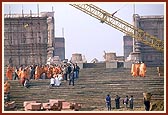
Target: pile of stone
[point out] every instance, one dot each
(52, 105)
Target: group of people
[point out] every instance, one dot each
(67, 71)
(138, 69)
(126, 101)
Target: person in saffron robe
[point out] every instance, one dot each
(6, 91)
(45, 70)
(9, 73)
(37, 72)
(49, 72)
(137, 65)
(22, 76)
(6, 87)
(19, 72)
(55, 70)
(133, 71)
(27, 73)
(142, 71)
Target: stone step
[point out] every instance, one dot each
(91, 89)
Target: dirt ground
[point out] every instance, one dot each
(157, 106)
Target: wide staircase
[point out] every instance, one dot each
(92, 87)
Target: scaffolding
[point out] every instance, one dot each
(23, 39)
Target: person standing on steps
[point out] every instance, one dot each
(131, 101)
(108, 102)
(126, 102)
(117, 102)
(76, 70)
(72, 77)
(146, 99)
(69, 68)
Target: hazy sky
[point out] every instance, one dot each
(85, 34)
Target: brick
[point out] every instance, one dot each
(27, 102)
(56, 104)
(36, 106)
(33, 106)
(27, 107)
(46, 106)
(53, 101)
(60, 102)
(66, 105)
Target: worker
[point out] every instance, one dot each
(142, 69)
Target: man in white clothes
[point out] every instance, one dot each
(57, 81)
(52, 82)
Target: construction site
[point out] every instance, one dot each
(29, 39)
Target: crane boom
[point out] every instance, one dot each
(121, 25)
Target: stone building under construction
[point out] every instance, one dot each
(153, 25)
(28, 38)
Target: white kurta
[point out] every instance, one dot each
(57, 82)
(52, 81)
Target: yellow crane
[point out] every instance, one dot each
(121, 25)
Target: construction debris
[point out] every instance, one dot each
(52, 105)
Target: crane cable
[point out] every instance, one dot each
(118, 10)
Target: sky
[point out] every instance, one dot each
(84, 34)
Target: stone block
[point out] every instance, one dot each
(46, 106)
(27, 107)
(33, 107)
(56, 104)
(60, 103)
(36, 106)
(25, 103)
(53, 101)
(66, 105)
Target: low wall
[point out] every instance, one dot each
(111, 64)
(127, 64)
